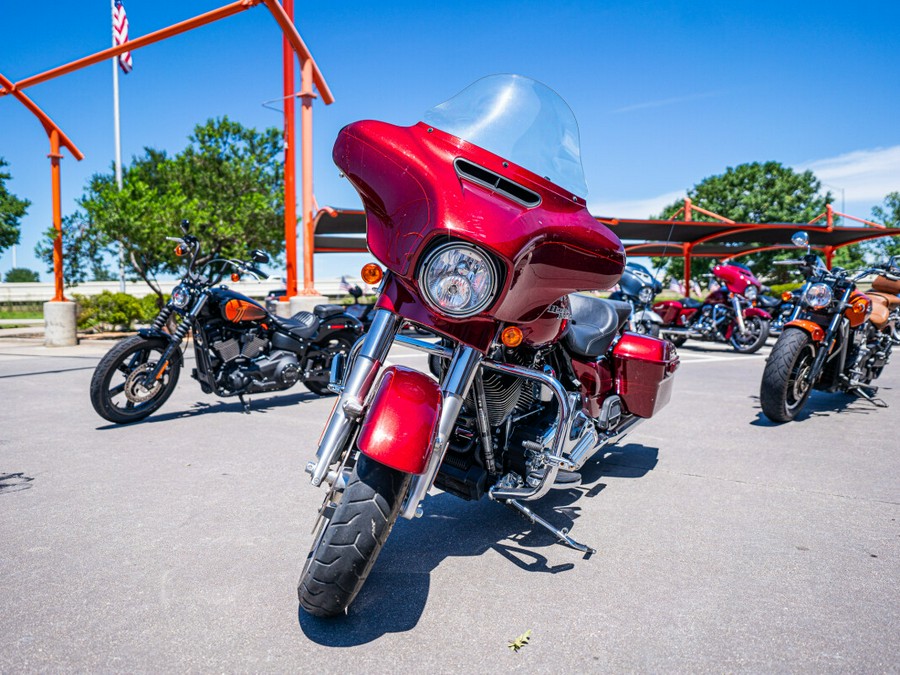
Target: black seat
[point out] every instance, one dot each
(768, 301)
(302, 325)
(690, 302)
(595, 322)
(326, 311)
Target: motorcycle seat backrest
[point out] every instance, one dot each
(880, 310)
(594, 324)
(889, 299)
(326, 311)
(884, 285)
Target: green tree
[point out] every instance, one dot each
(83, 251)
(888, 213)
(18, 275)
(228, 182)
(758, 192)
(12, 209)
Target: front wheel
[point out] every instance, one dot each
(785, 387)
(647, 328)
(118, 391)
(319, 367)
(350, 541)
(755, 337)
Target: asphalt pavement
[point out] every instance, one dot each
(725, 543)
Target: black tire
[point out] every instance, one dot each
(647, 328)
(783, 391)
(338, 343)
(115, 390)
(677, 340)
(756, 336)
(349, 543)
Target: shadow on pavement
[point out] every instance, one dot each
(396, 592)
(232, 406)
(820, 404)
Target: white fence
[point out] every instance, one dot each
(42, 292)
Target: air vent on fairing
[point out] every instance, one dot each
(496, 182)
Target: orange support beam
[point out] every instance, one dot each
(290, 162)
(306, 93)
(687, 260)
(57, 215)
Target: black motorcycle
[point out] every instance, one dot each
(780, 309)
(240, 348)
(638, 288)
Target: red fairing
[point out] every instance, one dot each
(643, 367)
(402, 420)
(413, 196)
(756, 311)
(736, 278)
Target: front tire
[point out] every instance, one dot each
(117, 392)
(755, 337)
(349, 543)
(784, 389)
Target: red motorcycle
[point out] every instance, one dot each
(478, 214)
(726, 315)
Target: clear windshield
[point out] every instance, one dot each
(520, 120)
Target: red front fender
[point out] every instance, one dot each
(756, 311)
(402, 419)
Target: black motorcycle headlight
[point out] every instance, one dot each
(181, 297)
(458, 279)
(646, 295)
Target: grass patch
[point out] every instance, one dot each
(21, 314)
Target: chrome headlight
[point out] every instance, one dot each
(751, 293)
(181, 297)
(458, 279)
(646, 295)
(818, 296)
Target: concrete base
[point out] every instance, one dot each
(283, 308)
(59, 324)
(305, 303)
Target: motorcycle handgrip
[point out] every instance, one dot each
(787, 262)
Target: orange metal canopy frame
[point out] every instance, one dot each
(344, 231)
(310, 74)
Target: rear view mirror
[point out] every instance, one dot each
(800, 239)
(185, 226)
(258, 256)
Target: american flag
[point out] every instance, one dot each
(120, 34)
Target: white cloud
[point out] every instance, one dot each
(635, 208)
(864, 175)
(665, 101)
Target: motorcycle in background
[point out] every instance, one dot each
(638, 288)
(478, 214)
(240, 348)
(837, 339)
(726, 315)
(779, 308)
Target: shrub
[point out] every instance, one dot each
(108, 311)
(777, 289)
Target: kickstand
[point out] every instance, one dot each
(245, 402)
(562, 535)
(862, 393)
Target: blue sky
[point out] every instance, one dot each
(666, 93)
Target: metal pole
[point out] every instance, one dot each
(290, 160)
(306, 94)
(57, 215)
(118, 141)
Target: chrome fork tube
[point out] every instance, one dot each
(455, 385)
(738, 313)
(374, 351)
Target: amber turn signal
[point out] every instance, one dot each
(235, 276)
(371, 274)
(179, 250)
(511, 336)
(787, 296)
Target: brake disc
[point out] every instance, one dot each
(135, 391)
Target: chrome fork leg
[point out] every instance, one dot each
(739, 314)
(454, 387)
(349, 407)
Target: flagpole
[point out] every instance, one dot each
(118, 139)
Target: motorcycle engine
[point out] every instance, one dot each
(244, 364)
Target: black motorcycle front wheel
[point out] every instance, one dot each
(320, 366)
(785, 388)
(755, 337)
(349, 542)
(118, 392)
